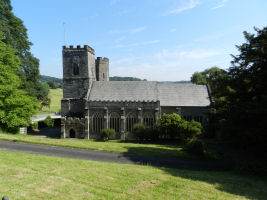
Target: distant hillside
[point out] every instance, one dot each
(45, 79)
(119, 78)
(57, 82)
(53, 82)
(175, 81)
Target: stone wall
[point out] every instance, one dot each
(123, 110)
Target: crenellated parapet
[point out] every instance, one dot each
(79, 48)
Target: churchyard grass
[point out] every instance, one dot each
(29, 176)
(55, 95)
(111, 146)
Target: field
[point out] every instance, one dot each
(27, 176)
(55, 95)
(112, 146)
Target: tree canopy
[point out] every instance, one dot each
(15, 34)
(16, 107)
(240, 94)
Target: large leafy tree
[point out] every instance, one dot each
(15, 34)
(214, 77)
(247, 93)
(16, 107)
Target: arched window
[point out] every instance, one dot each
(115, 121)
(75, 69)
(131, 119)
(198, 119)
(98, 122)
(148, 119)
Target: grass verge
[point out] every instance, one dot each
(27, 176)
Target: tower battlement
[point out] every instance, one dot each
(101, 59)
(79, 48)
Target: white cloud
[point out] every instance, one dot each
(194, 54)
(122, 61)
(185, 6)
(171, 71)
(120, 39)
(167, 65)
(220, 5)
(137, 44)
(173, 30)
(132, 31)
(113, 2)
(215, 36)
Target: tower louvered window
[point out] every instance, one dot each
(75, 69)
(114, 122)
(131, 119)
(98, 122)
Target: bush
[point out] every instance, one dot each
(139, 131)
(193, 129)
(48, 122)
(107, 134)
(173, 127)
(34, 126)
(170, 126)
(195, 147)
(142, 132)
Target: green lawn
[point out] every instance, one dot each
(28, 176)
(56, 96)
(112, 146)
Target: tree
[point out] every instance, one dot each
(214, 77)
(246, 100)
(16, 107)
(15, 34)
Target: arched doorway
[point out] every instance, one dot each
(72, 133)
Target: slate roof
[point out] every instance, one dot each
(168, 94)
(123, 91)
(183, 94)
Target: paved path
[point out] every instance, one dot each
(44, 116)
(114, 157)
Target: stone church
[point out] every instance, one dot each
(91, 102)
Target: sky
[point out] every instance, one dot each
(157, 40)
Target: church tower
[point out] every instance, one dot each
(102, 69)
(78, 74)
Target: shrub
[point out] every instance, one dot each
(170, 126)
(139, 131)
(107, 134)
(193, 129)
(34, 126)
(173, 127)
(195, 147)
(49, 122)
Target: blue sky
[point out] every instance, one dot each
(152, 39)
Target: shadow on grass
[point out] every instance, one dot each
(47, 132)
(229, 182)
(216, 172)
